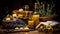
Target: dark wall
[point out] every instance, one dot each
(6, 6)
(16, 4)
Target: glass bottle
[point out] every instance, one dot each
(26, 11)
(31, 22)
(36, 15)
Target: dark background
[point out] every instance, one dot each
(9, 5)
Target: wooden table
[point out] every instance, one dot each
(30, 32)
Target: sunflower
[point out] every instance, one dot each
(49, 28)
(41, 28)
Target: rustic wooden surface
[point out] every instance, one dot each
(31, 32)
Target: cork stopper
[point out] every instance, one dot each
(36, 6)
